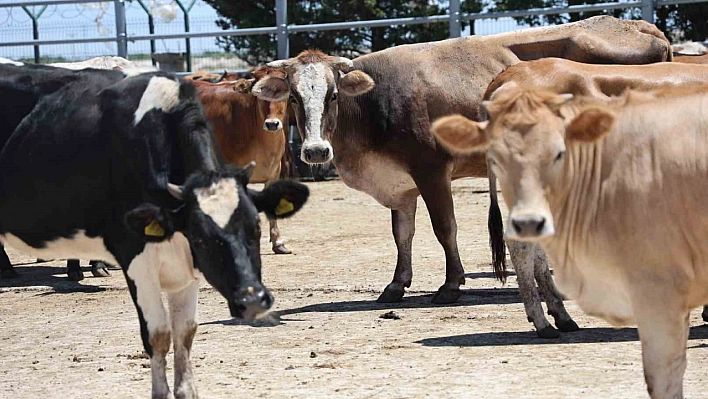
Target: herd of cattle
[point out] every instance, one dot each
(603, 168)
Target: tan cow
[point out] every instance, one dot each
(249, 130)
(599, 81)
(373, 114)
(615, 194)
(692, 59)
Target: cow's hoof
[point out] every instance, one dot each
(446, 295)
(75, 275)
(548, 333)
(99, 269)
(281, 250)
(567, 325)
(8, 273)
(391, 296)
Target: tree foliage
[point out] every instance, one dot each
(349, 43)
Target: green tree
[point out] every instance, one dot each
(349, 43)
(678, 22)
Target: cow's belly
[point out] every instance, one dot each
(386, 181)
(79, 246)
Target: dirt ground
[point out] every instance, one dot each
(81, 340)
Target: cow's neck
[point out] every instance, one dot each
(574, 201)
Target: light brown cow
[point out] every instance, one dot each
(692, 59)
(249, 130)
(379, 134)
(599, 81)
(615, 194)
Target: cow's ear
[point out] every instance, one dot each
(590, 125)
(281, 199)
(459, 134)
(152, 223)
(244, 85)
(355, 83)
(271, 89)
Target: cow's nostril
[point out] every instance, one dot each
(517, 226)
(539, 226)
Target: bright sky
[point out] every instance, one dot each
(98, 19)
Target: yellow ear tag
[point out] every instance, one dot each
(154, 229)
(284, 207)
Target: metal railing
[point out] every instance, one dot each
(282, 30)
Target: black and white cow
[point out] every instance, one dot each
(130, 174)
(21, 88)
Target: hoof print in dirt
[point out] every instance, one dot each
(548, 333)
(391, 315)
(567, 326)
(446, 296)
(390, 296)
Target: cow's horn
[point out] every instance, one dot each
(223, 75)
(343, 63)
(175, 190)
(249, 168)
(279, 64)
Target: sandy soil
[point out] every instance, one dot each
(81, 340)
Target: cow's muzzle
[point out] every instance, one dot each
(319, 152)
(251, 303)
(272, 125)
(529, 227)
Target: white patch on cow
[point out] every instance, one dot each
(219, 201)
(312, 87)
(386, 181)
(78, 246)
(11, 62)
(161, 93)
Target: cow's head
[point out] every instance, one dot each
(219, 218)
(313, 84)
(526, 139)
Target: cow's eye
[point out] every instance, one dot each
(560, 156)
(335, 95)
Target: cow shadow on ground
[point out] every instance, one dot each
(470, 297)
(32, 275)
(583, 336)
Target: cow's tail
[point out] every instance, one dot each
(496, 231)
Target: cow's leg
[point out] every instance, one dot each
(554, 299)
(705, 314)
(275, 238)
(143, 282)
(6, 269)
(183, 309)
(437, 194)
(522, 258)
(99, 269)
(663, 329)
(403, 226)
(73, 271)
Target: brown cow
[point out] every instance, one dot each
(598, 81)
(381, 139)
(248, 129)
(615, 194)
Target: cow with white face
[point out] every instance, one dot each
(314, 83)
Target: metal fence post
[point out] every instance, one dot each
(648, 10)
(455, 26)
(187, 42)
(281, 22)
(35, 28)
(151, 29)
(121, 31)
